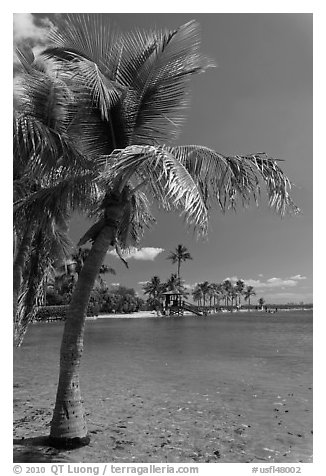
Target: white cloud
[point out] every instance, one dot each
(144, 254)
(25, 28)
(298, 277)
(271, 283)
(256, 283)
(189, 286)
(277, 282)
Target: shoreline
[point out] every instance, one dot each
(149, 314)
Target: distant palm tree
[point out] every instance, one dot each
(249, 291)
(180, 254)
(233, 295)
(211, 293)
(174, 283)
(154, 287)
(261, 302)
(204, 287)
(240, 286)
(197, 294)
(227, 289)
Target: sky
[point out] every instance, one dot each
(258, 99)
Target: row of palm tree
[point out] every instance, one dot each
(211, 294)
(91, 128)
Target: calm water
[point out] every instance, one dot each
(252, 361)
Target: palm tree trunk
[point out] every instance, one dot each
(68, 426)
(179, 263)
(19, 263)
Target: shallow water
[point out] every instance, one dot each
(241, 382)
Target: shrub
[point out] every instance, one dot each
(51, 312)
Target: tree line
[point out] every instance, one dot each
(62, 280)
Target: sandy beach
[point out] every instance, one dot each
(131, 315)
(226, 390)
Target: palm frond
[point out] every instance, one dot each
(136, 219)
(89, 35)
(26, 58)
(41, 126)
(161, 83)
(88, 79)
(164, 176)
(226, 180)
(73, 193)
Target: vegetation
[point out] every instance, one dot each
(178, 256)
(213, 294)
(155, 289)
(91, 125)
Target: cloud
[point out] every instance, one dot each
(271, 283)
(26, 27)
(29, 31)
(277, 282)
(143, 254)
(189, 286)
(233, 279)
(298, 277)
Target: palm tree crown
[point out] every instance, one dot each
(180, 254)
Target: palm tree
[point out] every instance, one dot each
(204, 287)
(127, 95)
(261, 302)
(180, 254)
(218, 292)
(211, 293)
(249, 291)
(233, 296)
(197, 295)
(174, 283)
(153, 288)
(240, 286)
(227, 289)
(43, 155)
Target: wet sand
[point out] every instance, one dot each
(229, 389)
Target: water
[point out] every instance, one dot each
(253, 365)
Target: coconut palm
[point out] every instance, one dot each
(197, 294)
(178, 256)
(153, 288)
(211, 293)
(248, 292)
(204, 287)
(174, 283)
(128, 94)
(43, 154)
(261, 302)
(240, 286)
(227, 290)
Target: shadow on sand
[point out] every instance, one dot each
(38, 450)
